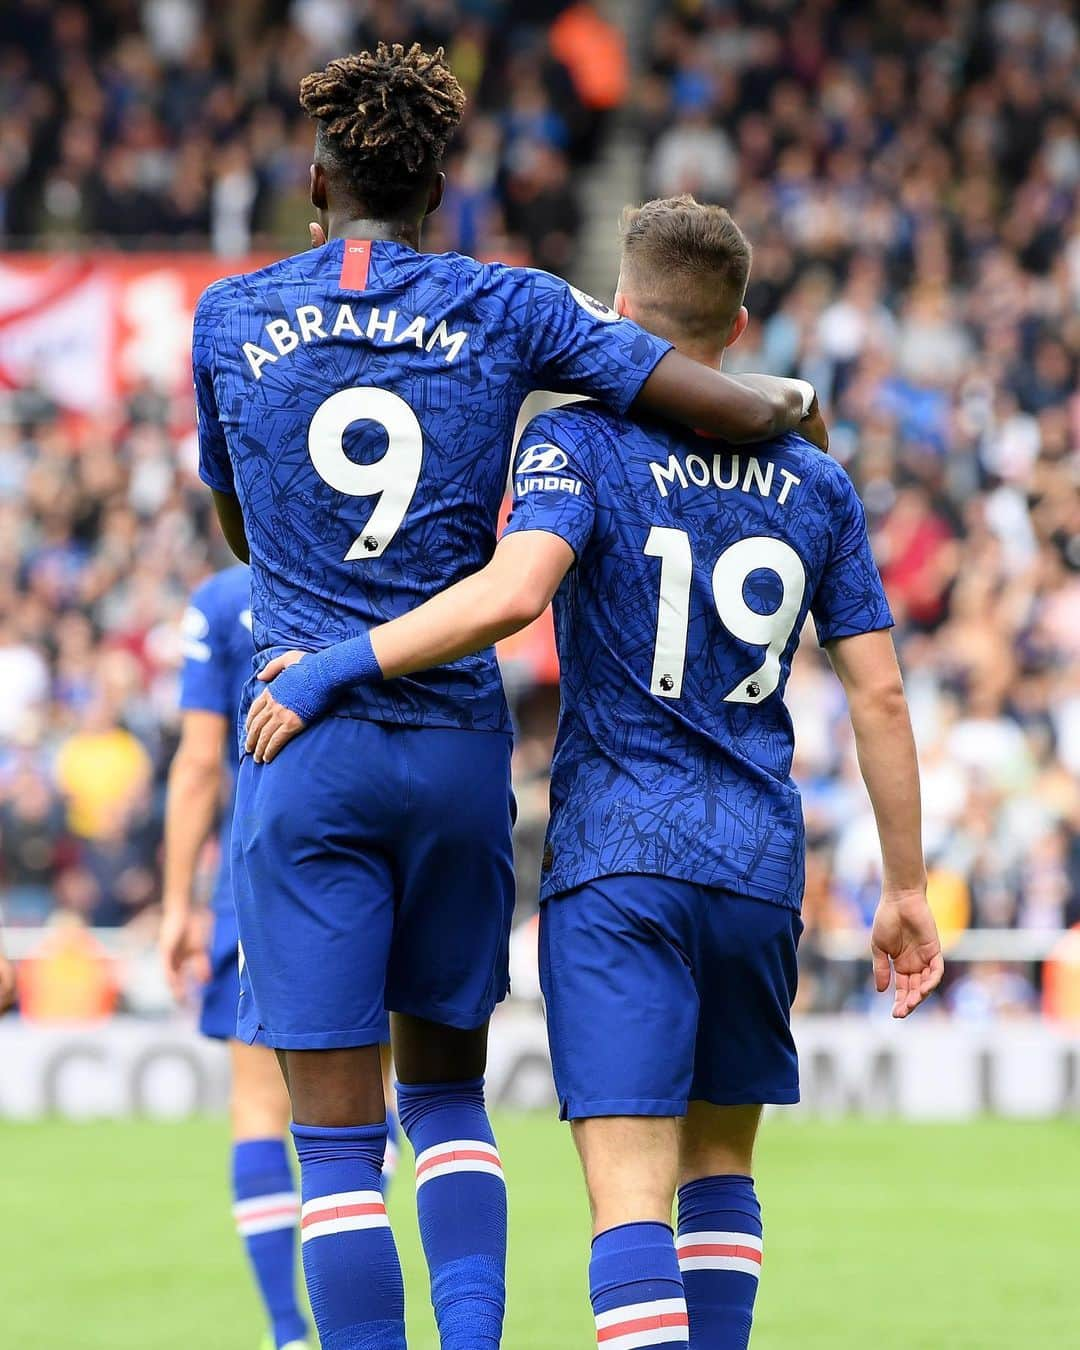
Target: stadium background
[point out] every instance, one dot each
(909, 174)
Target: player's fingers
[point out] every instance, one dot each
(317, 234)
(258, 705)
(900, 1008)
(266, 730)
(256, 721)
(174, 975)
(199, 966)
(881, 969)
(274, 668)
(933, 975)
(7, 984)
(278, 741)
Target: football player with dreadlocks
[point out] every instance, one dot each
(356, 412)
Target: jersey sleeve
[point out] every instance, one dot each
(579, 345)
(214, 467)
(850, 598)
(553, 479)
(205, 683)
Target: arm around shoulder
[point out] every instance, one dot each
(741, 409)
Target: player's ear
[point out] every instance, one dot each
(435, 196)
(318, 187)
(738, 328)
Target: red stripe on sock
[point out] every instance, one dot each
(275, 1212)
(340, 1212)
(355, 262)
(720, 1249)
(655, 1323)
(458, 1155)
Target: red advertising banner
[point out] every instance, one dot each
(87, 329)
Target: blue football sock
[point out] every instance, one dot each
(719, 1248)
(267, 1211)
(393, 1150)
(461, 1202)
(350, 1261)
(636, 1289)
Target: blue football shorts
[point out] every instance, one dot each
(661, 992)
(221, 992)
(373, 872)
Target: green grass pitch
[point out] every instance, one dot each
(878, 1235)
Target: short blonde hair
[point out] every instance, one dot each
(685, 265)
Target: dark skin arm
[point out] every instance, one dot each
(758, 406)
(739, 409)
(232, 523)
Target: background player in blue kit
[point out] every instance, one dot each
(356, 407)
(217, 664)
(673, 869)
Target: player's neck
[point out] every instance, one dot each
(703, 353)
(361, 227)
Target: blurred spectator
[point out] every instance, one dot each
(1061, 980)
(33, 844)
(68, 978)
(175, 122)
(24, 678)
(910, 178)
(103, 771)
(988, 990)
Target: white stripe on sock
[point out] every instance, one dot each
(656, 1307)
(340, 1198)
(634, 1340)
(716, 1239)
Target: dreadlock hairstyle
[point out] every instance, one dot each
(384, 120)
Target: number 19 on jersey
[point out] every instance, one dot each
(729, 576)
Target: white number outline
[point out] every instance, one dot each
(772, 631)
(393, 477)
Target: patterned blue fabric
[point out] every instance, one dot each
(697, 566)
(217, 649)
(350, 1260)
(261, 1173)
(367, 436)
(461, 1207)
(720, 1251)
(217, 646)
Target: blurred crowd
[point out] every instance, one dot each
(168, 123)
(909, 174)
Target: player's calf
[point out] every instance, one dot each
(719, 1238)
(265, 1204)
(350, 1260)
(461, 1204)
(630, 1166)
(460, 1192)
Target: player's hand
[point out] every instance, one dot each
(317, 234)
(182, 946)
(905, 943)
(270, 727)
(813, 428)
(7, 983)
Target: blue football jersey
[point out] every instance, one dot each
(360, 400)
(218, 650)
(697, 565)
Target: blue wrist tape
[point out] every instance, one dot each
(309, 687)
